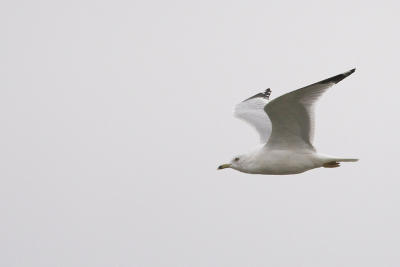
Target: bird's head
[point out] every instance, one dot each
(236, 163)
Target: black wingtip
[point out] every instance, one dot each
(267, 93)
(339, 77)
(264, 95)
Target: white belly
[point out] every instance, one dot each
(284, 162)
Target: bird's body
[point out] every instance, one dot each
(281, 162)
(286, 127)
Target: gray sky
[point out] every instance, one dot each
(115, 114)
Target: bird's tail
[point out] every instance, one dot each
(333, 162)
(346, 160)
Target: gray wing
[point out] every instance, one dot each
(292, 115)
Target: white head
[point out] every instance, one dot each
(238, 163)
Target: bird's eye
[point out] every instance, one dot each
(236, 159)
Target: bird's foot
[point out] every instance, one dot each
(331, 164)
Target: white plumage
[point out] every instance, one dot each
(286, 127)
(252, 111)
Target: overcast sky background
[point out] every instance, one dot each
(115, 114)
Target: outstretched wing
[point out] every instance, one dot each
(252, 111)
(292, 115)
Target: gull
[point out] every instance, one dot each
(286, 129)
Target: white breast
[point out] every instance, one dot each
(267, 161)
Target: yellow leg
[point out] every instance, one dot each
(331, 164)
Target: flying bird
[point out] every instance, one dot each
(286, 128)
